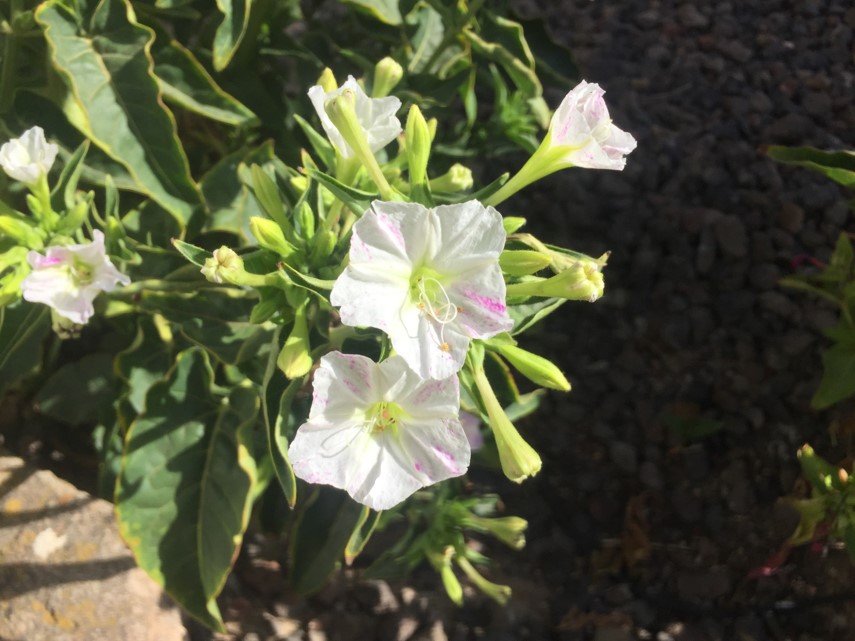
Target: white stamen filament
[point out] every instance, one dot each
(444, 313)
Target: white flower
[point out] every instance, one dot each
(68, 278)
(29, 157)
(582, 125)
(429, 278)
(379, 431)
(375, 115)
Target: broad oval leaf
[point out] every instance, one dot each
(103, 56)
(231, 31)
(837, 165)
(183, 495)
(384, 10)
(325, 525)
(184, 81)
(838, 376)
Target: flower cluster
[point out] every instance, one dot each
(430, 278)
(67, 276)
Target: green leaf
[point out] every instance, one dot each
(62, 196)
(229, 200)
(318, 142)
(182, 499)
(23, 328)
(323, 529)
(838, 376)
(427, 39)
(184, 81)
(278, 394)
(267, 194)
(145, 361)
(75, 393)
(231, 31)
(384, 10)
(361, 534)
(502, 41)
(837, 165)
(114, 99)
(356, 199)
(529, 314)
(552, 61)
(195, 255)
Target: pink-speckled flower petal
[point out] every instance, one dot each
(340, 446)
(583, 127)
(343, 384)
(469, 234)
(54, 280)
(480, 300)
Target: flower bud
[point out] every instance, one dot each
(323, 245)
(499, 593)
(327, 80)
(512, 224)
(442, 564)
(294, 359)
(75, 217)
(29, 158)
(270, 236)
(580, 282)
(457, 178)
(225, 266)
(510, 530)
(387, 74)
(306, 219)
(418, 145)
(535, 368)
(519, 459)
(523, 262)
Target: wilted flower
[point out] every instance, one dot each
(379, 431)
(581, 134)
(224, 266)
(429, 278)
(376, 116)
(68, 278)
(582, 129)
(29, 157)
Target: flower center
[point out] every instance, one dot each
(382, 416)
(602, 130)
(432, 298)
(81, 272)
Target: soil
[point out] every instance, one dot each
(641, 527)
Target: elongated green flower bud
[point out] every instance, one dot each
(535, 368)
(510, 530)
(519, 459)
(387, 74)
(294, 359)
(327, 80)
(580, 282)
(270, 236)
(523, 262)
(341, 110)
(499, 593)
(418, 145)
(457, 178)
